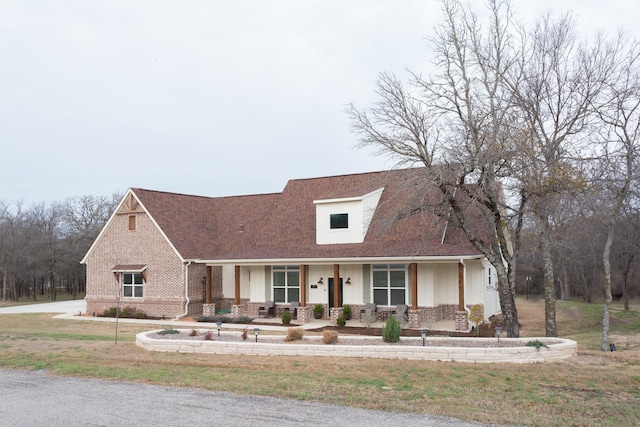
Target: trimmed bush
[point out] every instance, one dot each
(286, 317)
(330, 337)
(294, 334)
(391, 330)
(341, 321)
(127, 312)
(346, 311)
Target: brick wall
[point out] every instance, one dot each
(164, 290)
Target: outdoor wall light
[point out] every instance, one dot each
(219, 323)
(423, 334)
(498, 332)
(348, 282)
(256, 331)
(320, 281)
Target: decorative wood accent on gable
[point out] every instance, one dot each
(130, 205)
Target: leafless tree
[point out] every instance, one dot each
(616, 165)
(458, 124)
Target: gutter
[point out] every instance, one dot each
(186, 291)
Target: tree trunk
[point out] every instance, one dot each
(4, 286)
(604, 341)
(548, 279)
(506, 292)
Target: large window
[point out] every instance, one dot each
(340, 220)
(286, 283)
(132, 285)
(389, 284)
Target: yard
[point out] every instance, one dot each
(594, 388)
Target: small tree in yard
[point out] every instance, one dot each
(477, 316)
(391, 330)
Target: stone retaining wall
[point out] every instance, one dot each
(558, 349)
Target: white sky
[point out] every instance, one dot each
(206, 97)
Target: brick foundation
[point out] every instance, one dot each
(208, 310)
(462, 321)
(305, 314)
(336, 312)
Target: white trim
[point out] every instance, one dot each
(353, 260)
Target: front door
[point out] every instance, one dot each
(331, 292)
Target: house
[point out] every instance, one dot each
(350, 239)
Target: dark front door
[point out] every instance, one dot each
(331, 292)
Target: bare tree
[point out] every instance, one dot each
(458, 124)
(558, 87)
(617, 164)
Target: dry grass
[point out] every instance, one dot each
(595, 388)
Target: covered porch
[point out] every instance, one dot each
(437, 293)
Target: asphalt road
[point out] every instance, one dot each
(29, 398)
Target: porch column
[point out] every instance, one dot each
(303, 285)
(236, 300)
(460, 286)
(208, 286)
(414, 286)
(336, 310)
(208, 309)
(413, 313)
(236, 310)
(462, 320)
(336, 285)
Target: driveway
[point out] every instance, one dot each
(32, 398)
(71, 307)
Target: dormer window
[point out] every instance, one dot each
(338, 221)
(345, 219)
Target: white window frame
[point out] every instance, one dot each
(289, 272)
(389, 269)
(134, 284)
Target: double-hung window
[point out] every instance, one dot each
(389, 284)
(286, 283)
(132, 285)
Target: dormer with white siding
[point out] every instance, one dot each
(345, 220)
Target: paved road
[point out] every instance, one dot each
(31, 398)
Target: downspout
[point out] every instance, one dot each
(186, 291)
(467, 309)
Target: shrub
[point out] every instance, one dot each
(193, 333)
(286, 317)
(318, 309)
(294, 334)
(537, 344)
(169, 331)
(477, 316)
(208, 336)
(330, 337)
(341, 321)
(391, 330)
(245, 334)
(346, 311)
(125, 313)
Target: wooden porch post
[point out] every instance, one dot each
(208, 286)
(303, 285)
(336, 285)
(236, 301)
(414, 286)
(460, 286)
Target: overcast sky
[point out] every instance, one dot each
(208, 97)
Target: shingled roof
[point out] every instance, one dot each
(283, 225)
